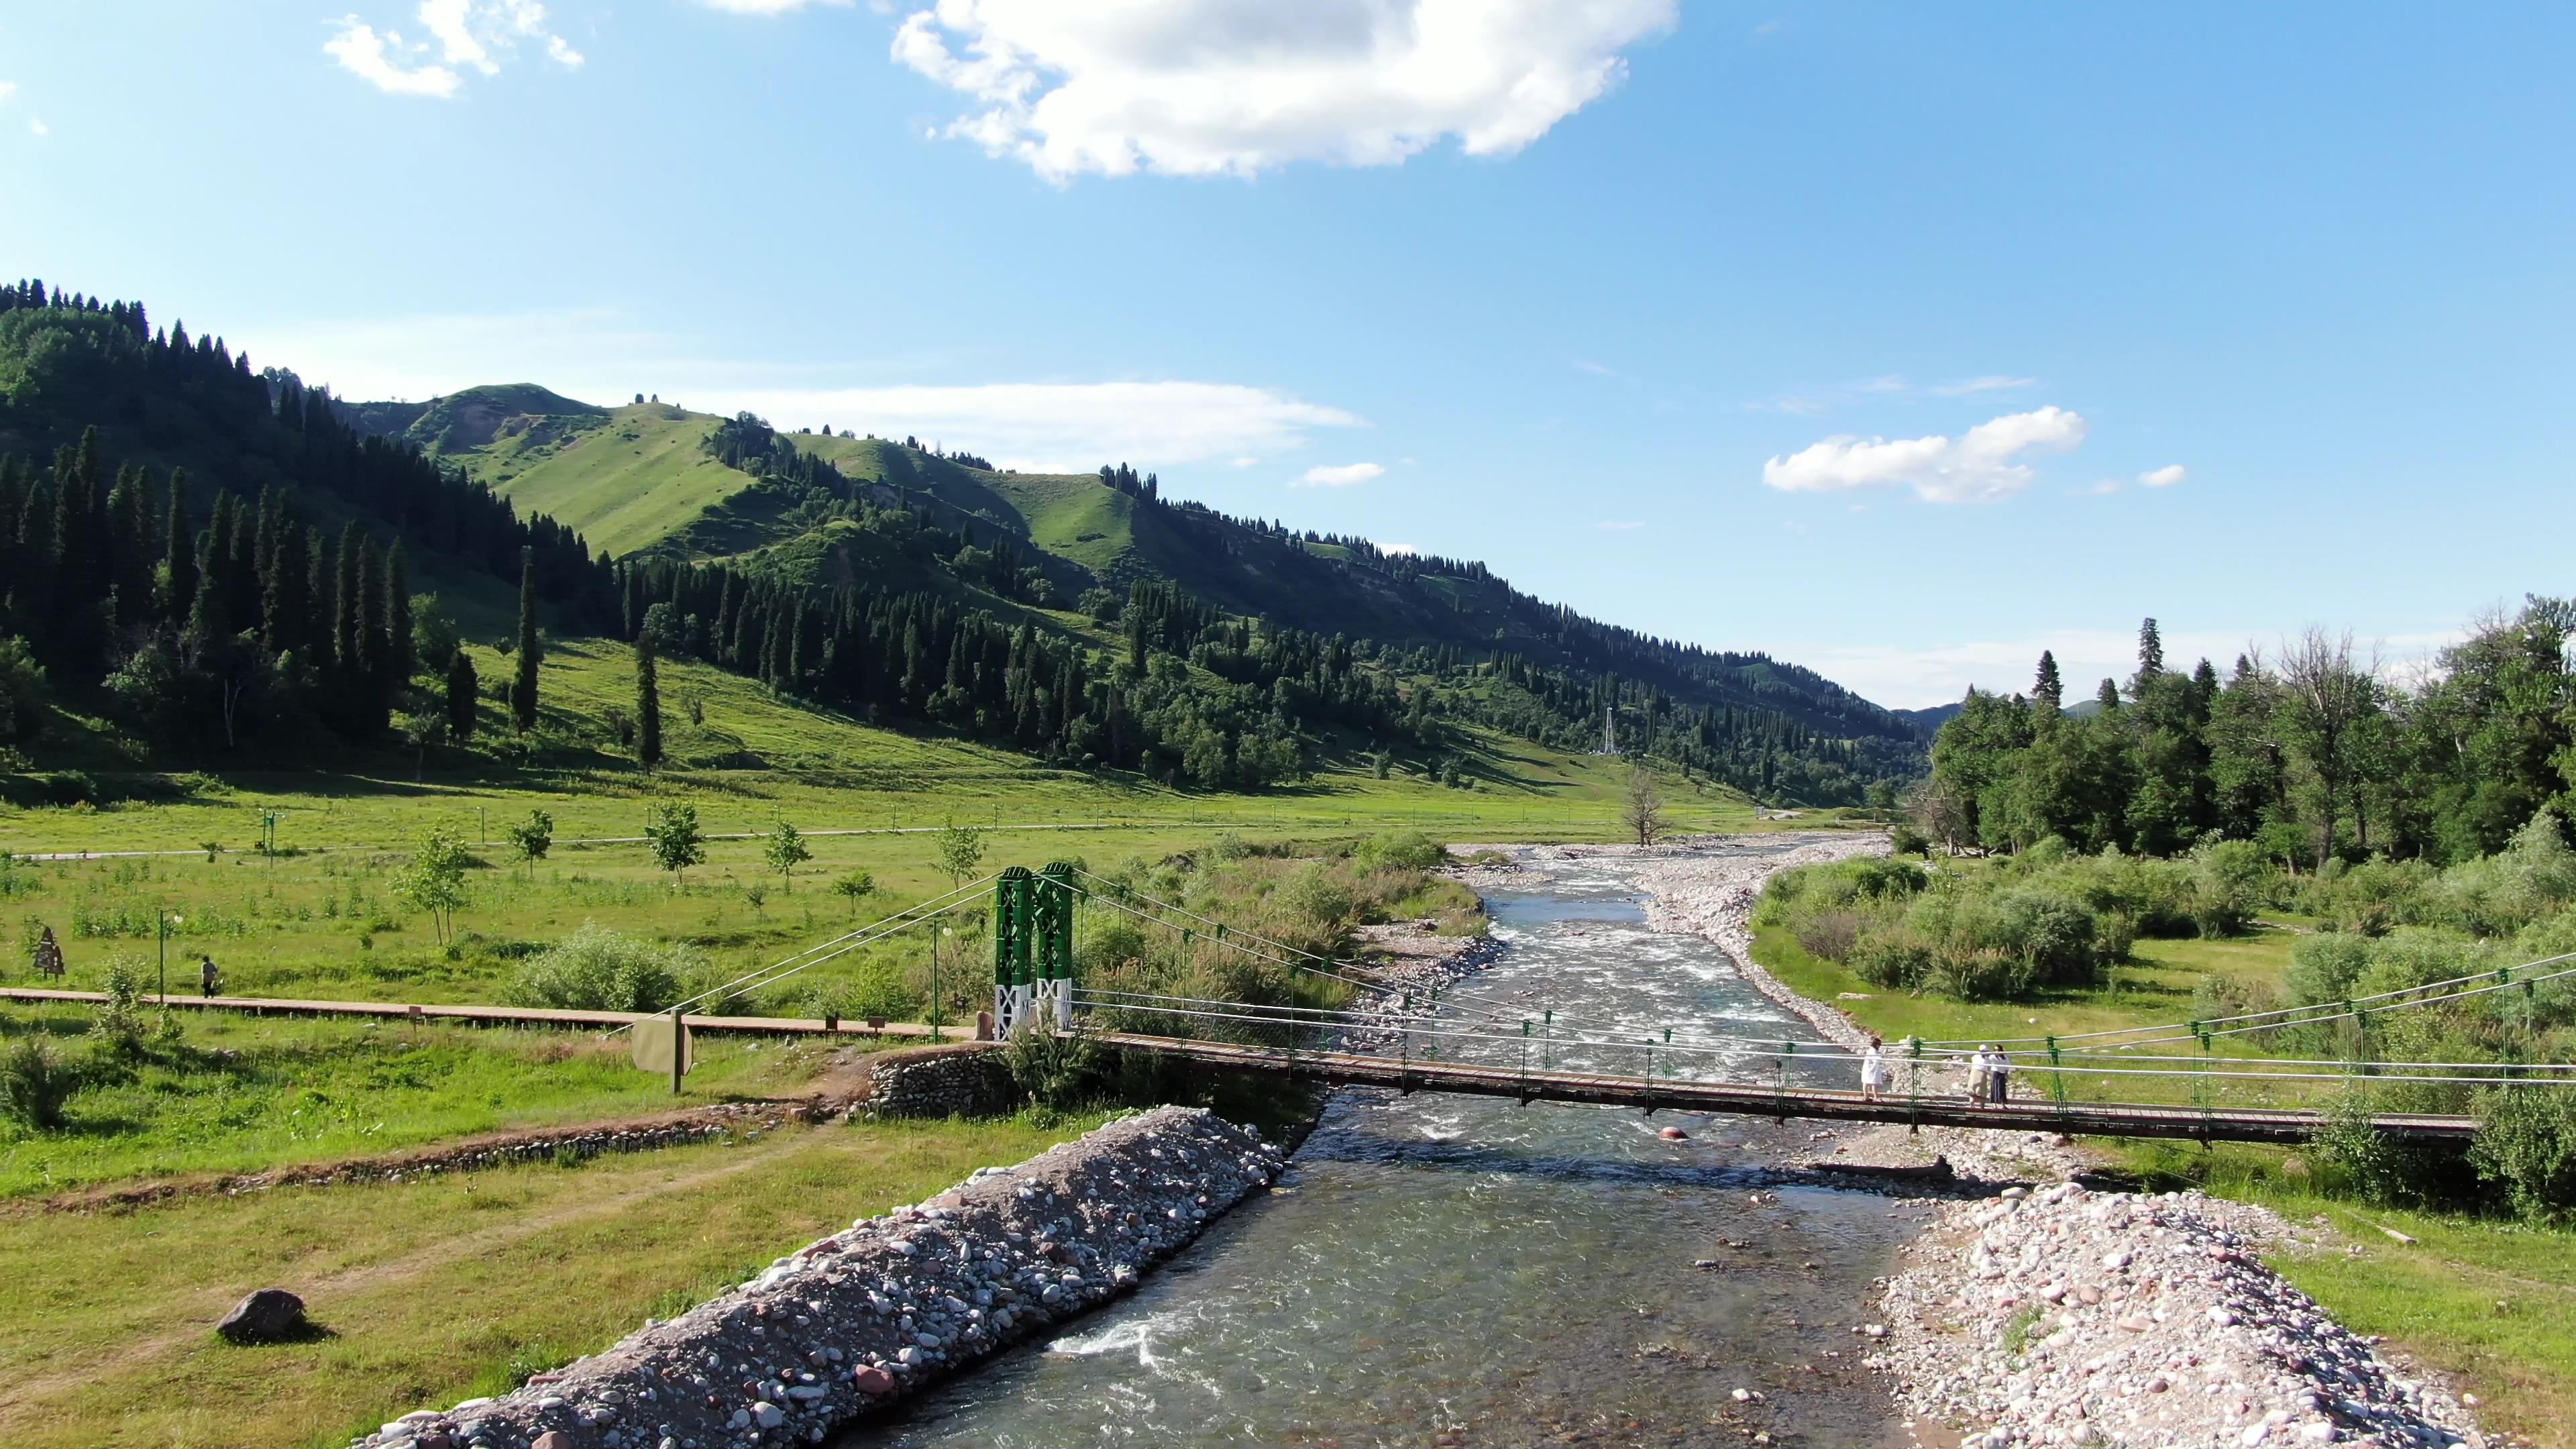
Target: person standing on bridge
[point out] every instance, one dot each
(1873, 1070)
(1979, 1068)
(1998, 1074)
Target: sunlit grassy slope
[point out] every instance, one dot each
(625, 482)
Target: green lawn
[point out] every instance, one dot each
(432, 1291)
(245, 1094)
(624, 484)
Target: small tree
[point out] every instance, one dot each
(959, 850)
(677, 841)
(1641, 810)
(433, 881)
(786, 851)
(423, 729)
(855, 887)
(533, 836)
(34, 1085)
(531, 650)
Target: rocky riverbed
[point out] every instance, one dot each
(847, 1325)
(2063, 1316)
(2033, 1310)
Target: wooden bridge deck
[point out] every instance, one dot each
(2098, 1119)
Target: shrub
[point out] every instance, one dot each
(2324, 967)
(1906, 840)
(118, 1028)
(34, 1085)
(1829, 934)
(1056, 1073)
(2229, 880)
(2526, 1142)
(1892, 959)
(597, 969)
(1399, 850)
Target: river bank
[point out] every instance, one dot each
(2065, 1316)
(850, 1324)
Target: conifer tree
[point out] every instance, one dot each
(347, 612)
(523, 692)
(285, 602)
(2108, 696)
(2048, 691)
(371, 674)
(463, 687)
(400, 658)
(129, 549)
(2151, 654)
(648, 704)
(178, 554)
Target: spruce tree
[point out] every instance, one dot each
(648, 704)
(129, 546)
(2151, 654)
(285, 602)
(2048, 691)
(178, 553)
(348, 654)
(400, 658)
(2108, 696)
(463, 687)
(370, 677)
(523, 692)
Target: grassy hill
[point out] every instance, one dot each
(639, 478)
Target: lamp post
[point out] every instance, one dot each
(935, 1004)
(167, 921)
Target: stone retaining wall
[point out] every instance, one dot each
(970, 1079)
(842, 1327)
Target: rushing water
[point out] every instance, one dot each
(1441, 1270)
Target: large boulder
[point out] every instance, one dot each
(270, 1315)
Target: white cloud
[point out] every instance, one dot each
(1940, 674)
(1063, 426)
(2164, 477)
(2102, 488)
(1979, 466)
(1221, 87)
(1824, 400)
(603, 357)
(1339, 475)
(766, 7)
(1408, 549)
(1585, 364)
(465, 35)
(7, 89)
(1992, 382)
(370, 57)
(38, 128)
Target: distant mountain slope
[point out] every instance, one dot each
(641, 478)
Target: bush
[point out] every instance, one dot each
(118, 1028)
(1399, 850)
(34, 1085)
(1056, 1073)
(2229, 881)
(1906, 840)
(597, 969)
(2324, 967)
(1892, 959)
(1831, 935)
(2526, 1142)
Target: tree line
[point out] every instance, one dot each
(2311, 751)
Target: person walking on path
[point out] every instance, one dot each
(1873, 1071)
(209, 980)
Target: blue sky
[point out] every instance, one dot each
(1899, 340)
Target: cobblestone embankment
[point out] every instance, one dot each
(848, 1324)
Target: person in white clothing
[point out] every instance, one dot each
(1873, 1071)
(1977, 1065)
(1998, 1074)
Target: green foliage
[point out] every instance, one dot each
(119, 1030)
(1055, 1073)
(677, 841)
(854, 887)
(959, 851)
(22, 691)
(784, 850)
(433, 880)
(1399, 850)
(532, 837)
(34, 1084)
(597, 969)
(2526, 1143)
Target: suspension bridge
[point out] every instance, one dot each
(1460, 1040)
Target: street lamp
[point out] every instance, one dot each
(934, 980)
(167, 922)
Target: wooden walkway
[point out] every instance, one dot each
(2091, 1119)
(502, 1015)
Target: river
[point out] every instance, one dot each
(1462, 1271)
